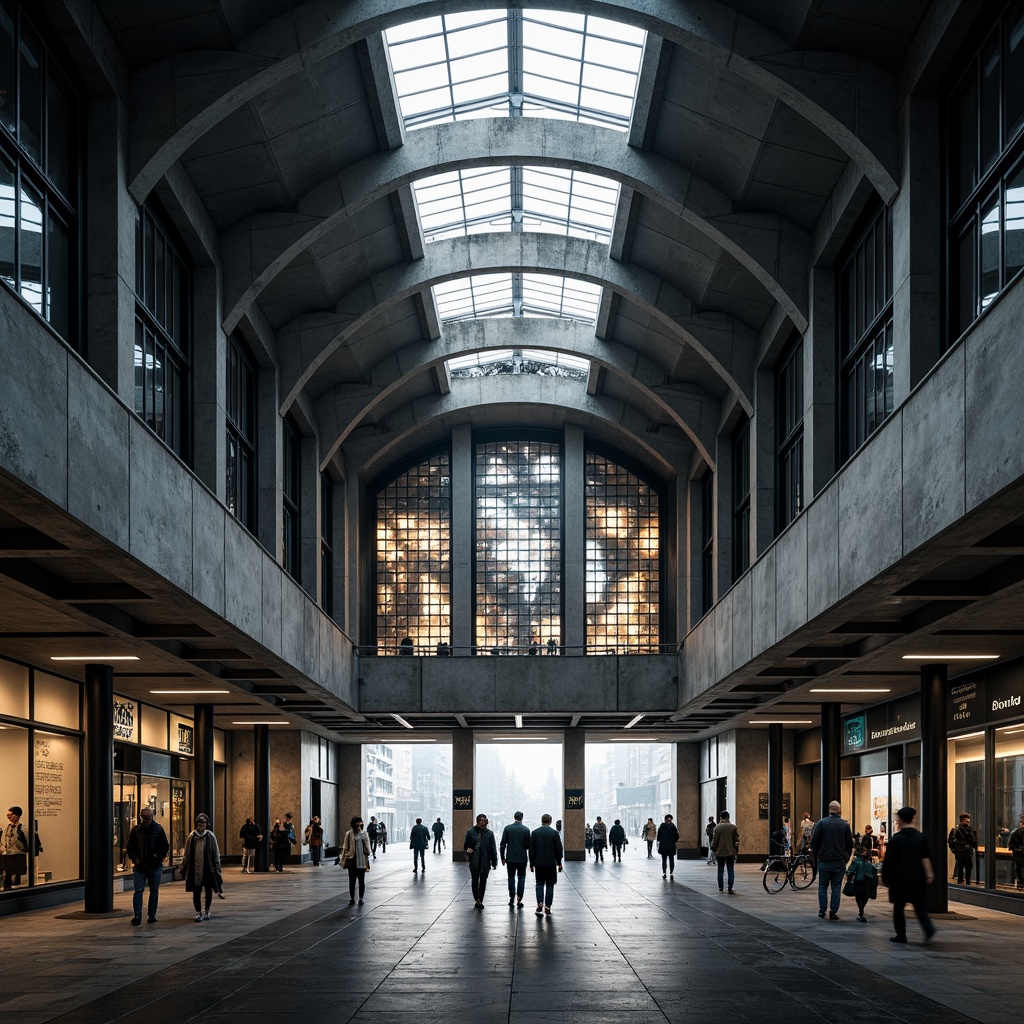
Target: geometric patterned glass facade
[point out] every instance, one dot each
(413, 577)
(518, 546)
(623, 560)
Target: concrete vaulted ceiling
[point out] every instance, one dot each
(285, 121)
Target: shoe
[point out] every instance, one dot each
(519, 904)
(151, 920)
(663, 875)
(352, 903)
(902, 939)
(206, 916)
(547, 910)
(415, 871)
(360, 903)
(732, 892)
(199, 917)
(833, 917)
(136, 920)
(861, 917)
(540, 909)
(720, 889)
(221, 896)
(672, 875)
(821, 913)
(928, 936)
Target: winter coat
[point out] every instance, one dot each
(147, 846)
(515, 843)
(249, 834)
(211, 873)
(650, 831)
(314, 835)
(481, 850)
(617, 835)
(668, 836)
(725, 841)
(282, 837)
(600, 835)
(358, 846)
(419, 837)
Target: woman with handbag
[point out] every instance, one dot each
(355, 855)
(200, 866)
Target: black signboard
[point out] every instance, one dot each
(882, 726)
(462, 799)
(574, 799)
(966, 704)
(762, 806)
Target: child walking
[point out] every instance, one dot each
(864, 876)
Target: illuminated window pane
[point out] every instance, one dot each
(623, 564)
(518, 546)
(413, 564)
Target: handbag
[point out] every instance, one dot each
(349, 862)
(849, 889)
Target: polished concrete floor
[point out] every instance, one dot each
(623, 946)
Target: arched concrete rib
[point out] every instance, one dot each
(187, 95)
(773, 249)
(340, 410)
(369, 452)
(306, 342)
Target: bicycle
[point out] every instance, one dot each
(799, 871)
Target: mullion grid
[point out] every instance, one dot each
(623, 572)
(518, 545)
(413, 577)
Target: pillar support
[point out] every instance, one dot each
(574, 769)
(99, 800)
(203, 796)
(261, 791)
(775, 776)
(934, 785)
(830, 746)
(463, 813)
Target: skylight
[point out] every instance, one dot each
(553, 200)
(515, 63)
(541, 362)
(517, 295)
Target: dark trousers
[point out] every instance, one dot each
(1018, 871)
(516, 880)
(546, 879)
(726, 871)
(479, 883)
(422, 855)
(598, 852)
(356, 875)
(437, 844)
(141, 877)
(197, 895)
(373, 846)
(616, 851)
(860, 894)
(964, 867)
(280, 852)
(668, 862)
(916, 894)
(317, 853)
(650, 847)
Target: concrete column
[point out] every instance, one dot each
(261, 791)
(684, 562)
(830, 747)
(574, 768)
(203, 792)
(694, 539)
(917, 246)
(934, 781)
(463, 775)
(574, 545)
(775, 784)
(687, 803)
(762, 461)
(209, 382)
(350, 784)
(462, 635)
(99, 787)
(820, 384)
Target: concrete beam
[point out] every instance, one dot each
(307, 342)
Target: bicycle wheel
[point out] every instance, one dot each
(804, 873)
(774, 877)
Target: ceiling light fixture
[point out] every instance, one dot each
(950, 657)
(782, 721)
(98, 658)
(633, 722)
(517, 739)
(519, 721)
(857, 689)
(632, 739)
(188, 691)
(401, 721)
(260, 723)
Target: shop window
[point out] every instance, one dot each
(13, 690)
(985, 172)
(163, 331)
(154, 727)
(865, 333)
(789, 431)
(126, 814)
(56, 812)
(240, 417)
(14, 764)
(39, 193)
(56, 701)
(968, 759)
(1009, 801)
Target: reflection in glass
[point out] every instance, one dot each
(623, 560)
(31, 246)
(31, 93)
(8, 222)
(518, 546)
(1009, 805)
(414, 558)
(1014, 225)
(8, 69)
(969, 790)
(989, 249)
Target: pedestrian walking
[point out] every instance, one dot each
(832, 844)
(200, 867)
(382, 836)
(709, 831)
(545, 862)
(313, 837)
(419, 840)
(438, 829)
(725, 841)
(617, 837)
(907, 872)
(668, 839)
(963, 844)
(251, 835)
(600, 839)
(650, 833)
(588, 838)
(281, 839)
(355, 858)
(514, 851)
(373, 833)
(805, 829)
(482, 854)
(863, 878)
(147, 847)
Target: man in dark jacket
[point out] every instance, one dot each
(617, 837)
(419, 840)
(373, 834)
(515, 852)
(545, 862)
(832, 843)
(147, 847)
(600, 839)
(482, 854)
(668, 838)
(963, 844)
(907, 871)
(438, 829)
(251, 835)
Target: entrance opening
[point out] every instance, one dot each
(518, 775)
(406, 781)
(630, 782)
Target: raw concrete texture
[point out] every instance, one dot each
(933, 453)
(97, 448)
(762, 585)
(822, 524)
(272, 618)
(871, 509)
(33, 403)
(242, 579)
(791, 558)
(208, 549)
(160, 501)
(649, 682)
(393, 684)
(740, 600)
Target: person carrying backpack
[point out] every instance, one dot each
(863, 877)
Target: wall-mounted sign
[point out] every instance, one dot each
(762, 806)
(882, 726)
(574, 799)
(182, 736)
(993, 696)
(462, 799)
(126, 720)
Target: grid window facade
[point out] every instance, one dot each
(39, 175)
(327, 544)
(623, 538)
(240, 410)
(163, 313)
(518, 546)
(789, 420)
(985, 171)
(740, 500)
(865, 334)
(291, 532)
(413, 571)
(707, 541)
